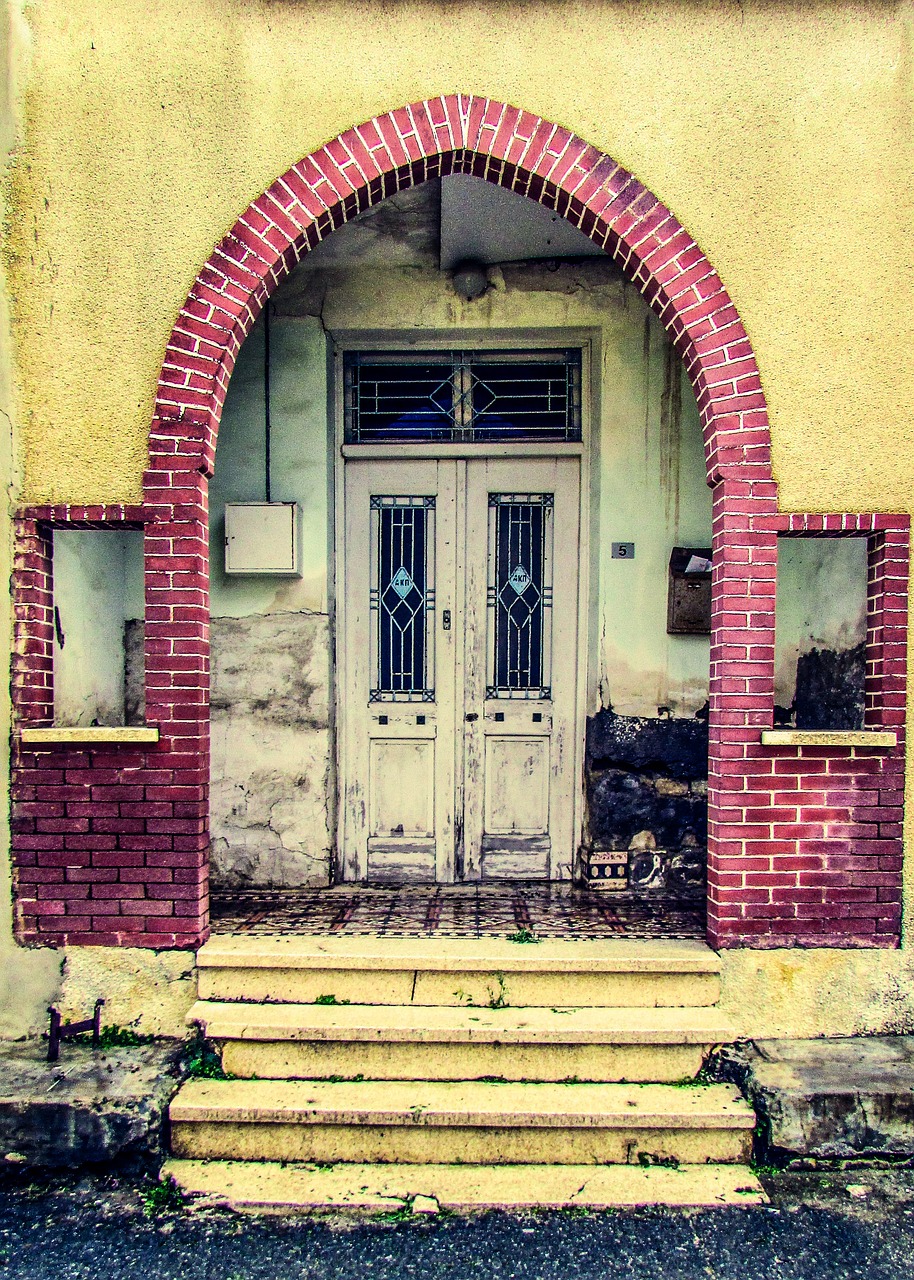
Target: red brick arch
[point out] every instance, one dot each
(111, 845)
(506, 146)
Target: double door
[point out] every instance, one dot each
(458, 669)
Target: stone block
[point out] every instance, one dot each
(91, 1106)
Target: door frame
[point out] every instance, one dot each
(343, 341)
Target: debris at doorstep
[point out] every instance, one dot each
(425, 1204)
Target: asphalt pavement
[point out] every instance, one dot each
(109, 1227)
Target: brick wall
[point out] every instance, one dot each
(110, 846)
(109, 843)
(804, 843)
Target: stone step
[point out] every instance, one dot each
(479, 1122)
(264, 1187)
(390, 1042)
(459, 971)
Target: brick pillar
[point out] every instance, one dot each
(741, 702)
(177, 695)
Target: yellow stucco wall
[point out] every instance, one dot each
(779, 134)
(29, 980)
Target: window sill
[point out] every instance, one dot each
(102, 734)
(878, 738)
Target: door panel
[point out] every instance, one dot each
(517, 786)
(396, 668)
(521, 667)
(458, 668)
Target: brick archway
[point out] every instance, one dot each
(757, 891)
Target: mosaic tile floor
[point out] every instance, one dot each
(456, 911)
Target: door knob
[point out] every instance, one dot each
(471, 716)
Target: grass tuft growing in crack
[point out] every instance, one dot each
(204, 1062)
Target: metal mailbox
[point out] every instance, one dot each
(688, 611)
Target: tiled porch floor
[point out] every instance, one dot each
(556, 910)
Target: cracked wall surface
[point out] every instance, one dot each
(272, 786)
(271, 754)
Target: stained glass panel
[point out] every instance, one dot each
(402, 598)
(520, 595)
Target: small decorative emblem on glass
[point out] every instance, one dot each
(519, 579)
(402, 583)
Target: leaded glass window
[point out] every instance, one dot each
(402, 598)
(519, 599)
(462, 396)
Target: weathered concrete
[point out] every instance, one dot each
(90, 1106)
(261, 1187)
(271, 752)
(458, 971)
(147, 991)
(476, 1122)
(829, 1099)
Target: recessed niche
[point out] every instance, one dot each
(820, 633)
(98, 632)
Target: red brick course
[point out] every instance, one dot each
(110, 845)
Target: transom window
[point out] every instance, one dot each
(465, 396)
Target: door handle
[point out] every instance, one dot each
(470, 717)
(446, 619)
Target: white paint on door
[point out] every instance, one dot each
(458, 667)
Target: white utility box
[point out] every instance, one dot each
(263, 538)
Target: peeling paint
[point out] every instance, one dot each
(271, 751)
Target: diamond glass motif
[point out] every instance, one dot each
(519, 579)
(402, 583)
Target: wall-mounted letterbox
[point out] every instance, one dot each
(263, 538)
(688, 610)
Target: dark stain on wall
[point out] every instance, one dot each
(831, 689)
(646, 787)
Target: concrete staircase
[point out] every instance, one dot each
(396, 1074)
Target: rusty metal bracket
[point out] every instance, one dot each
(58, 1031)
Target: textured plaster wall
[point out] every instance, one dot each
(821, 992)
(148, 992)
(29, 980)
(271, 790)
(779, 135)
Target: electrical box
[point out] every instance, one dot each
(263, 538)
(688, 611)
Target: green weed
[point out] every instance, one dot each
(161, 1197)
(329, 1000)
(498, 999)
(203, 1062)
(115, 1037)
(523, 935)
(403, 1214)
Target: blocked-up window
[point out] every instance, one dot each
(98, 627)
(820, 633)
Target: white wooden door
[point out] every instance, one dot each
(459, 752)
